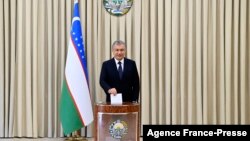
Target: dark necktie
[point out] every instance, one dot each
(120, 69)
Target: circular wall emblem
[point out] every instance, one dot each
(117, 7)
(118, 129)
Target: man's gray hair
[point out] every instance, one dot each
(118, 42)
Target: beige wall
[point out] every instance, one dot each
(192, 56)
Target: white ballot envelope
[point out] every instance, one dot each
(116, 99)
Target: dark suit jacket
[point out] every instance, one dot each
(128, 85)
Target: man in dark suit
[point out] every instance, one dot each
(120, 75)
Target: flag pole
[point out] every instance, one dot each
(76, 136)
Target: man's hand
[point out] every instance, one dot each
(112, 91)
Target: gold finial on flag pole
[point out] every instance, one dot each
(76, 136)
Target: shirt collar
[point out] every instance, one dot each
(122, 61)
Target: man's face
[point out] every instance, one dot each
(119, 51)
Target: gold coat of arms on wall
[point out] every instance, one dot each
(117, 7)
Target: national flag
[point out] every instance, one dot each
(75, 104)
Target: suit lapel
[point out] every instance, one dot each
(114, 67)
(125, 67)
